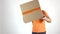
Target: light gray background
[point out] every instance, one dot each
(11, 20)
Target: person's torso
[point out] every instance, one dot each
(38, 26)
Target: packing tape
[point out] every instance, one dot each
(31, 10)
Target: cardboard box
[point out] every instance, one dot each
(31, 11)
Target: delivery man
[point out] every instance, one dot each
(39, 25)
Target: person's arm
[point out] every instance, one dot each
(46, 17)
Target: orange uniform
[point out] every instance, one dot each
(39, 25)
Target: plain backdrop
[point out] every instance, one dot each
(11, 18)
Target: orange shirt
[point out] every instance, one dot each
(39, 25)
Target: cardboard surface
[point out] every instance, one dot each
(31, 11)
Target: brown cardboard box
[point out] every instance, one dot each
(31, 11)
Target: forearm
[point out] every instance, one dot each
(47, 19)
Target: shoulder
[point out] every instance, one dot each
(44, 13)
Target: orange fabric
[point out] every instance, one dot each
(31, 10)
(39, 25)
